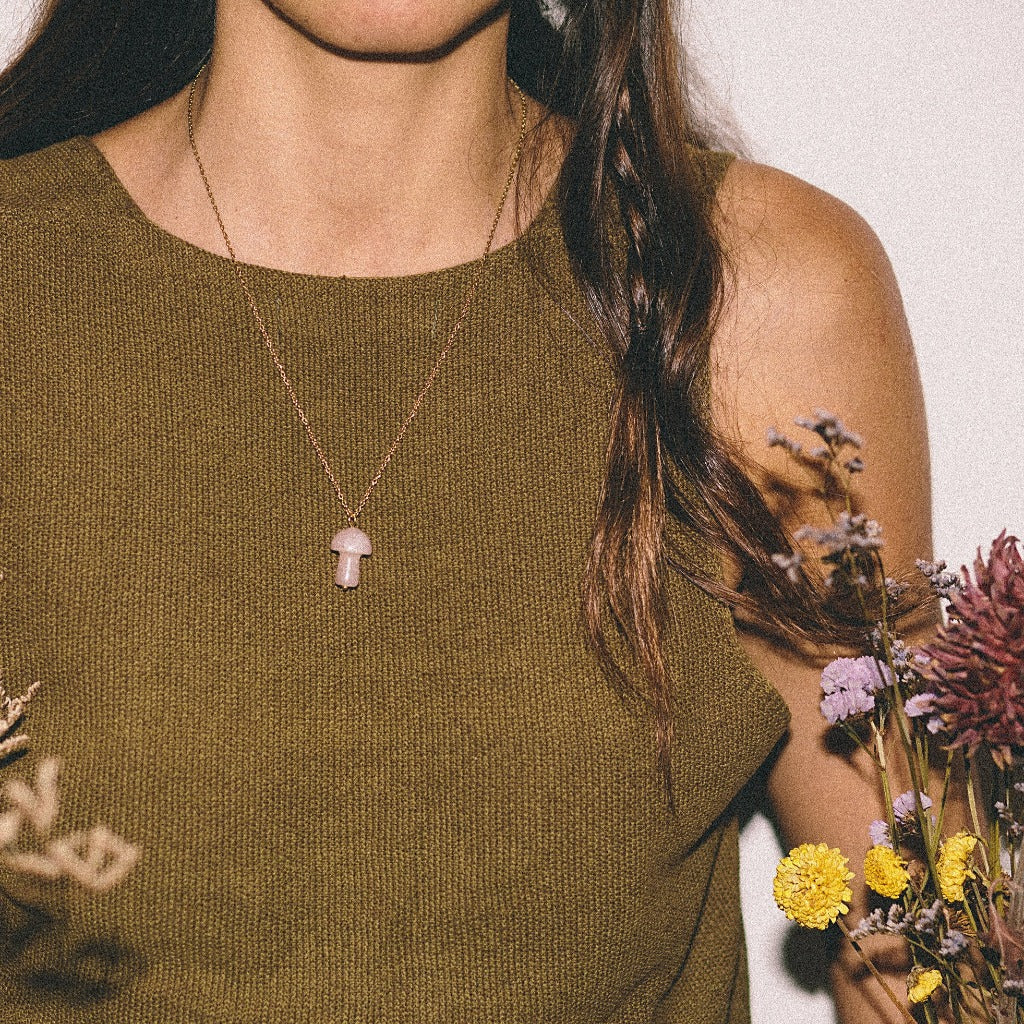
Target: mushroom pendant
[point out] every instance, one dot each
(350, 544)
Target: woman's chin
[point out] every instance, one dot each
(380, 29)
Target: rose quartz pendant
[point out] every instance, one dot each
(350, 544)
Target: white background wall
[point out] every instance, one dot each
(911, 113)
(14, 15)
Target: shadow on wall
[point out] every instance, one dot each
(805, 954)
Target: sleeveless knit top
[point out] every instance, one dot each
(416, 801)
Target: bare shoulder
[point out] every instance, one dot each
(812, 296)
(813, 317)
(771, 206)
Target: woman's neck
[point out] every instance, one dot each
(326, 164)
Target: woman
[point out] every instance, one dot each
(436, 792)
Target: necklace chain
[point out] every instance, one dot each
(467, 303)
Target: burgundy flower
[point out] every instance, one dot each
(976, 668)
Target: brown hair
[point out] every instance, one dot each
(614, 69)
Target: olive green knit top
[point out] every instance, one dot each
(414, 801)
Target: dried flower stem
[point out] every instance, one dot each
(981, 994)
(1011, 846)
(945, 792)
(903, 728)
(968, 991)
(973, 805)
(875, 973)
(902, 724)
(883, 774)
(1014, 921)
(977, 926)
(995, 839)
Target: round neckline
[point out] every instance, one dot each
(502, 257)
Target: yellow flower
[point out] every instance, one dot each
(921, 985)
(810, 885)
(952, 867)
(885, 871)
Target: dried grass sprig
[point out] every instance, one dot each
(12, 710)
(95, 859)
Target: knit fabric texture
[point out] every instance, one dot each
(415, 801)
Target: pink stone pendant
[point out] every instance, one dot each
(350, 544)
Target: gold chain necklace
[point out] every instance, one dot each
(350, 543)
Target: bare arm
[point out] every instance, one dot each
(814, 319)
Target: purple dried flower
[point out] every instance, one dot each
(886, 644)
(870, 925)
(920, 704)
(844, 704)
(863, 673)
(953, 945)
(927, 920)
(778, 440)
(902, 656)
(850, 532)
(849, 685)
(1005, 815)
(977, 661)
(830, 429)
(944, 583)
(878, 832)
(898, 920)
(903, 806)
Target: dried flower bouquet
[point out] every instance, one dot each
(954, 895)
